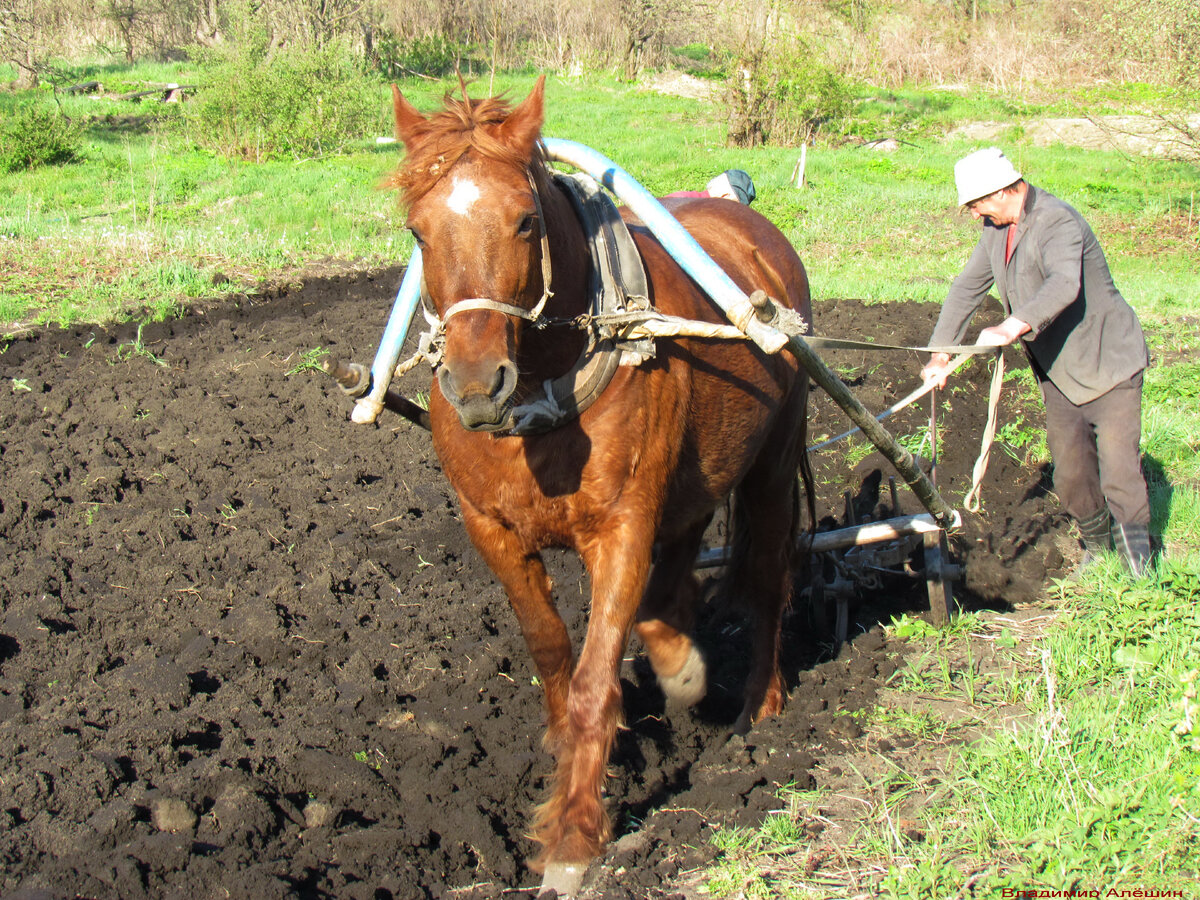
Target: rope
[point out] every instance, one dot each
(972, 500)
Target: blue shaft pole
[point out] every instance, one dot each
(405, 305)
(680, 244)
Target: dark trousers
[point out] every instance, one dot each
(1096, 454)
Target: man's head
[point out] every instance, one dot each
(989, 186)
(732, 184)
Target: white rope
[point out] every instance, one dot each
(972, 500)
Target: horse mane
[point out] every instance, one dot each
(462, 125)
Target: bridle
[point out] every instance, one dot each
(618, 302)
(533, 316)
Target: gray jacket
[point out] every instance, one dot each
(1084, 336)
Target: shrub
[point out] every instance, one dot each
(38, 136)
(810, 98)
(434, 55)
(260, 102)
(784, 93)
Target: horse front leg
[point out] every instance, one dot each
(573, 825)
(523, 575)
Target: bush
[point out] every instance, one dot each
(259, 102)
(784, 94)
(810, 98)
(38, 136)
(435, 56)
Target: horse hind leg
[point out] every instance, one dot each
(765, 517)
(677, 662)
(667, 616)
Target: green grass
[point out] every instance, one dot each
(90, 241)
(1095, 787)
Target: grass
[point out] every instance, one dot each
(147, 219)
(1095, 787)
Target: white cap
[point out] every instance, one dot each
(983, 172)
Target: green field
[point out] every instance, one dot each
(147, 219)
(146, 222)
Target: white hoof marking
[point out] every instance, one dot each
(689, 685)
(565, 879)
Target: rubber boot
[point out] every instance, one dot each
(1096, 532)
(1133, 543)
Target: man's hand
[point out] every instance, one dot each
(1003, 334)
(937, 369)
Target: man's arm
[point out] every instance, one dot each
(967, 294)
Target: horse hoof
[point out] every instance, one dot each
(564, 879)
(689, 685)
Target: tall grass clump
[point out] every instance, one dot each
(259, 101)
(434, 56)
(37, 135)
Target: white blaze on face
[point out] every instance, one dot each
(463, 197)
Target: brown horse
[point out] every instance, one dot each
(648, 463)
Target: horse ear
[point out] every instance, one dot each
(410, 124)
(524, 124)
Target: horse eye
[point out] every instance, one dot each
(525, 229)
(417, 237)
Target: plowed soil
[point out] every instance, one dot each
(246, 649)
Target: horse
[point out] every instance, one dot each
(632, 482)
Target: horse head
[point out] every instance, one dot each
(471, 182)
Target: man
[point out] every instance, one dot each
(732, 184)
(1083, 341)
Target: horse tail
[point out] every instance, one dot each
(810, 497)
(739, 570)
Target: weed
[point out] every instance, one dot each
(918, 723)
(856, 451)
(433, 55)
(309, 362)
(1024, 443)
(373, 758)
(137, 347)
(21, 384)
(260, 101)
(1187, 704)
(37, 136)
(914, 442)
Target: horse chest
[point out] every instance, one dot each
(549, 490)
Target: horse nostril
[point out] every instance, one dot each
(459, 385)
(505, 382)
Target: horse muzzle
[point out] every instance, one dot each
(481, 400)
